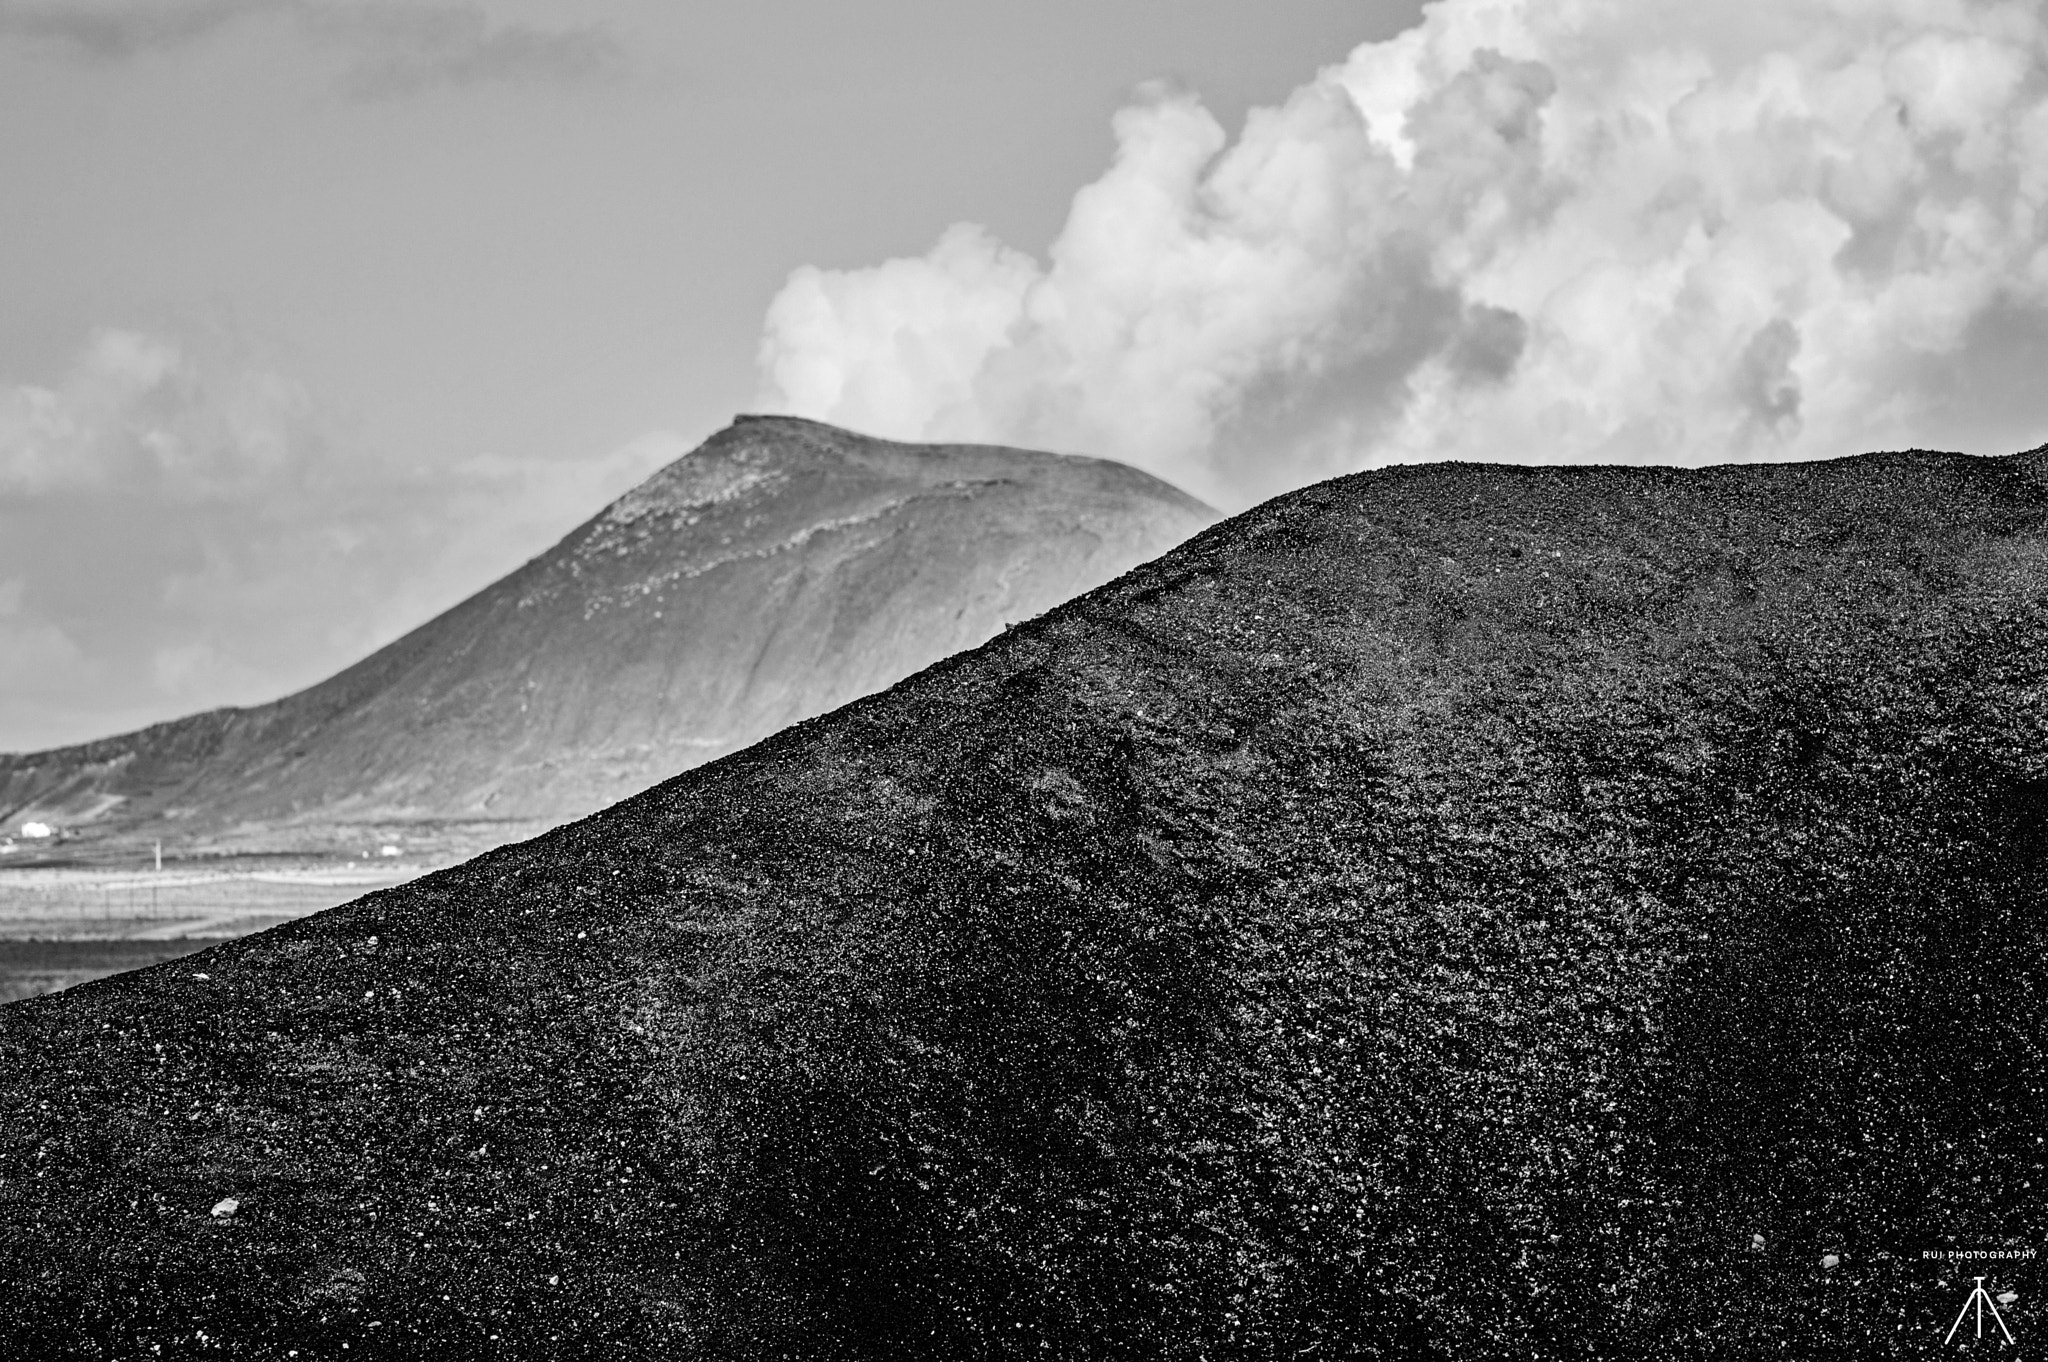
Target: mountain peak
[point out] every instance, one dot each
(779, 570)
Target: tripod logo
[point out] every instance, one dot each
(1979, 1301)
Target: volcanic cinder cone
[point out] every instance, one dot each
(1450, 912)
(777, 572)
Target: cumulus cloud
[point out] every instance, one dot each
(181, 527)
(1541, 230)
(391, 47)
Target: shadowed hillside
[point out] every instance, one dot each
(1449, 912)
(777, 572)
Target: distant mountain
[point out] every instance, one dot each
(780, 570)
(1449, 912)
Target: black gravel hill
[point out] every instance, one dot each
(1449, 912)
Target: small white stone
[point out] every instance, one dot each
(1830, 1261)
(2008, 1297)
(225, 1207)
(1756, 1242)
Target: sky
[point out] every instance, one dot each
(1547, 231)
(317, 315)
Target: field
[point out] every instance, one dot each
(60, 927)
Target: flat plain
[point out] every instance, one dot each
(61, 926)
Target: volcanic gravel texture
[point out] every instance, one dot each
(780, 570)
(1449, 912)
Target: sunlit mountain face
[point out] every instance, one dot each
(779, 571)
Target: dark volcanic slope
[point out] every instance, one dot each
(779, 571)
(1449, 912)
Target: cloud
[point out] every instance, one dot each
(400, 47)
(121, 28)
(1542, 230)
(181, 527)
(138, 414)
(391, 47)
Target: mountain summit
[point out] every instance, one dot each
(1449, 912)
(778, 571)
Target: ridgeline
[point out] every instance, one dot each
(776, 572)
(1448, 912)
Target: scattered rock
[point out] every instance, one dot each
(1831, 1261)
(332, 1286)
(1264, 978)
(225, 1208)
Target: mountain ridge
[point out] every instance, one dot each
(494, 711)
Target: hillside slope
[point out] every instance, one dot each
(1449, 912)
(780, 570)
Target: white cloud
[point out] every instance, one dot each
(1546, 230)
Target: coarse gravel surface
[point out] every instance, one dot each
(1448, 912)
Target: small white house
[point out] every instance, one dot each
(37, 830)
